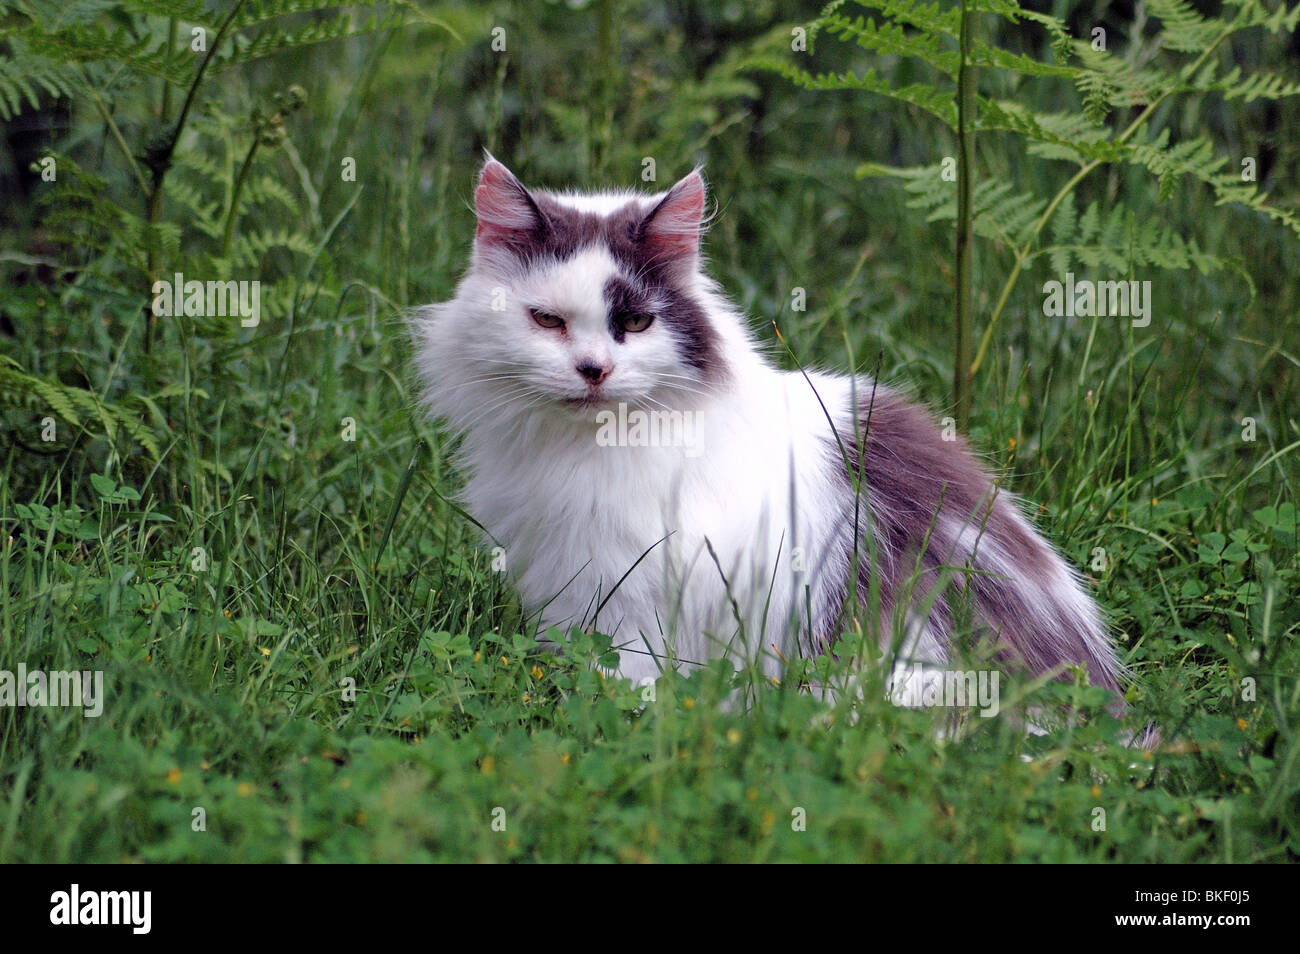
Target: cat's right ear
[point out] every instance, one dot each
(506, 211)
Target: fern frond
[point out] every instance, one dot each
(94, 43)
(261, 12)
(1261, 86)
(58, 12)
(23, 76)
(1195, 158)
(929, 18)
(891, 39)
(1105, 81)
(205, 166)
(1002, 214)
(986, 54)
(193, 12)
(1252, 13)
(1052, 135)
(1185, 30)
(267, 190)
(934, 101)
(76, 406)
(1065, 228)
(998, 213)
(1121, 240)
(274, 38)
(1057, 29)
(250, 247)
(204, 214)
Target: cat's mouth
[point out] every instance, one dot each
(586, 402)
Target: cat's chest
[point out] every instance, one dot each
(597, 502)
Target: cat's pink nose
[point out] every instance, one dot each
(593, 372)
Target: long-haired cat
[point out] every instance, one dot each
(649, 471)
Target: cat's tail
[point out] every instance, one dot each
(935, 509)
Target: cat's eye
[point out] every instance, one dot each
(634, 322)
(546, 319)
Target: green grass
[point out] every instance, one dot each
(235, 588)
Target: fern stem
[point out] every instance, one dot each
(160, 156)
(117, 136)
(1023, 252)
(235, 192)
(192, 94)
(165, 106)
(961, 370)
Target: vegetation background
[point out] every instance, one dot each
(239, 525)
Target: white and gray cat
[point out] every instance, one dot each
(647, 469)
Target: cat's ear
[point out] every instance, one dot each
(505, 209)
(671, 230)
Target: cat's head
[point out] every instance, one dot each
(576, 302)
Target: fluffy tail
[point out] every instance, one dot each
(933, 506)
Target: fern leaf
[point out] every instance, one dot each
(1052, 135)
(188, 11)
(93, 43)
(1064, 227)
(1252, 13)
(272, 38)
(23, 76)
(250, 247)
(934, 101)
(1184, 29)
(890, 38)
(76, 406)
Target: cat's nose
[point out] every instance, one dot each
(593, 372)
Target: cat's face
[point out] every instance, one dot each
(581, 302)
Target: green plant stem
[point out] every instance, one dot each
(160, 158)
(165, 105)
(235, 192)
(961, 371)
(1023, 252)
(117, 136)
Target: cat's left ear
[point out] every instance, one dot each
(671, 230)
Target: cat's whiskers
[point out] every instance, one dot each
(639, 404)
(683, 389)
(486, 379)
(502, 400)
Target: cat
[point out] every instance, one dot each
(648, 471)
